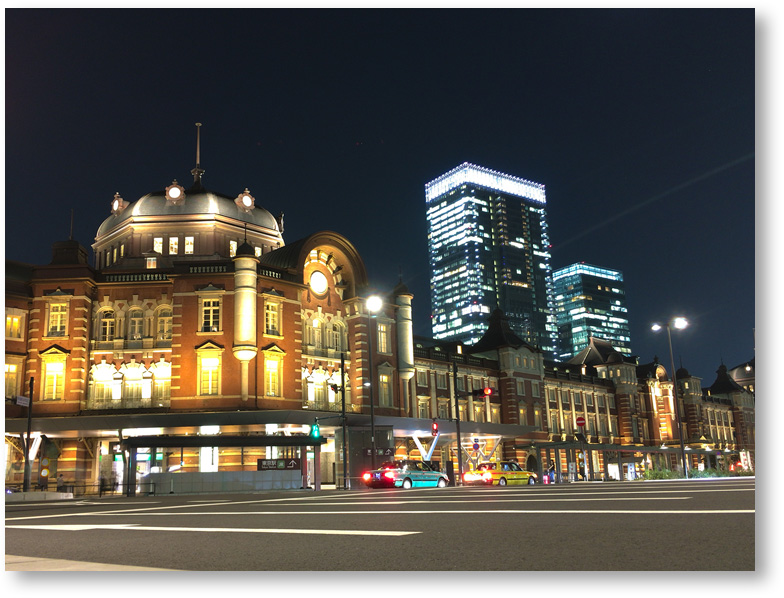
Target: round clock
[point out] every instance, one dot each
(247, 201)
(174, 192)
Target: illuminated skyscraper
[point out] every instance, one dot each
(489, 247)
(590, 302)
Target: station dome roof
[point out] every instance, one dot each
(198, 200)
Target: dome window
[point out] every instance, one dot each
(175, 193)
(245, 201)
(118, 204)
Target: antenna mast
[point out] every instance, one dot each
(197, 172)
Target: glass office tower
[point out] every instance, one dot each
(590, 301)
(489, 248)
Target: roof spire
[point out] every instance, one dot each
(197, 172)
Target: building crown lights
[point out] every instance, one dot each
(484, 177)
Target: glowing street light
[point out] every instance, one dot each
(373, 304)
(678, 323)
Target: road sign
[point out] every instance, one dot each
(476, 446)
(23, 401)
(580, 421)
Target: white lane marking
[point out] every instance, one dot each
(249, 530)
(448, 512)
(151, 510)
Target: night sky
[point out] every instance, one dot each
(640, 123)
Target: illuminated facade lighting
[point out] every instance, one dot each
(590, 302)
(489, 247)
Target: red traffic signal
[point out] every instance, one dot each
(488, 391)
(434, 428)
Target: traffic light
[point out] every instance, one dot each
(314, 430)
(487, 391)
(434, 428)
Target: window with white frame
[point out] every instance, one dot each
(11, 380)
(174, 245)
(424, 408)
(421, 377)
(157, 244)
(385, 390)
(14, 323)
(479, 412)
(163, 323)
(54, 379)
(58, 317)
(272, 318)
(313, 333)
(440, 380)
(135, 324)
(495, 414)
(383, 337)
(538, 417)
(272, 375)
(209, 374)
(188, 245)
(106, 323)
(210, 315)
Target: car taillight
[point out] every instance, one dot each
(389, 475)
(366, 476)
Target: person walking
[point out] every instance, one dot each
(60, 483)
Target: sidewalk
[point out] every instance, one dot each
(29, 563)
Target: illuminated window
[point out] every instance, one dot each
(479, 413)
(210, 315)
(54, 381)
(151, 263)
(157, 244)
(383, 338)
(11, 377)
(209, 375)
(271, 377)
(495, 414)
(272, 318)
(13, 326)
(135, 324)
(232, 248)
(523, 414)
(257, 251)
(173, 245)
(106, 324)
(164, 324)
(58, 315)
(538, 418)
(188, 245)
(385, 390)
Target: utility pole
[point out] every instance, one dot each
(459, 479)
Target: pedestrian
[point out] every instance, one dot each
(60, 483)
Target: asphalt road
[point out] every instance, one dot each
(700, 525)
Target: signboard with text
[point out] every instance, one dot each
(380, 452)
(267, 464)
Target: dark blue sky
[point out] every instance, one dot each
(640, 123)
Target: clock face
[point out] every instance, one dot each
(116, 204)
(318, 283)
(174, 192)
(247, 201)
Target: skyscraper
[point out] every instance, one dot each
(590, 301)
(489, 247)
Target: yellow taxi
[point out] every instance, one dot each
(499, 474)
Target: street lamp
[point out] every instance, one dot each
(678, 323)
(373, 305)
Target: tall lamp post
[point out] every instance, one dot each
(679, 323)
(373, 305)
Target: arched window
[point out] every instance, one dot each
(106, 324)
(315, 333)
(164, 324)
(135, 324)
